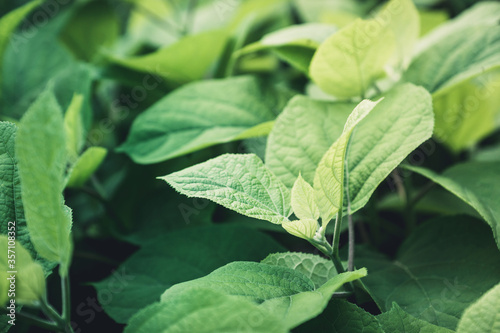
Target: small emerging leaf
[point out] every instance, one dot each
(305, 228)
(303, 203)
(74, 128)
(86, 165)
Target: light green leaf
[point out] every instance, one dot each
(295, 44)
(41, 153)
(298, 308)
(86, 165)
(468, 112)
(402, 18)
(434, 276)
(238, 182)
(175, 257)
(11, 205)
(482, 316)
(204, 310)
(484, 13)
(397, 320)
(475, 50)
(74, 128)
(478, 189)
(203, 114)
(304, 120)
(303, 203)
(329, 176)
(93, 26)
(432, 19)
(343, 317)
(184, 61)
(350, 61)
(253, 281)
(305, 228)
(9, 22)
(396, 127)
(317, 268)
(29, 276)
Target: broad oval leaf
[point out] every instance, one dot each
(29, 277)
(240, 182)
(474, 51)
(329, 176)
(203, 114)
(317, 268)
(482, 316)
(41, 154)
(351, 60)
(401, 122)
(204, 310)
(295, 44)
(480, 190)
(254, 281)
(434, 276)
(297, 309)
(184, 61)
(397, 320)
(304, 121)
(175, 257)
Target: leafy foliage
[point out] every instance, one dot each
(267, 119)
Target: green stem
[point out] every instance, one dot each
(45, 324)
(51, 313)
(66, 299)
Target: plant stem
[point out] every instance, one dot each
(350, 260)
(51, 313)
(66, 299)
(45, 324)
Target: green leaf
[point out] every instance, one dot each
(484, 13)
(304, 121)
(93, 26)
(204, 310)
(398, 125)
(303, 204)
(86, 165)
(482, 316)
(317, 268)
(402, 18)
(29, 276)
(305, 228)
(41, 153)
(476, 50)
(397, 320)
(253, 281)
(239, 182)
(11, 205)
(298, 308)
(74, 128)
(8, 24)
(343, 317)
(351, 60)
(203, 114)
(184, 61)
(295, 44)
(329, 176)
(22, 55)
(478, 189)
(468, 112)
(176, 257)
(434, 276)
